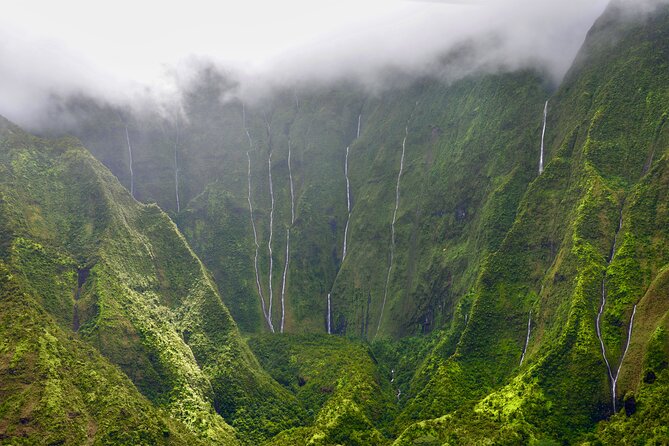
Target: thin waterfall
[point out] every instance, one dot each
(348, 206)
(392, 229)
(292, 190)
(329, 316)
(283, 282)
(614, 382)
(612, 254)
(132, 174)
(348, 202)
(176, 164)
(527, 339)
(253, 224)
(271, 234)
(292, 221)
(543, 134)
(348, 193)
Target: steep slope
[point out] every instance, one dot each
(120, 276)
(588, 244)
(415, 237)
(58, 390)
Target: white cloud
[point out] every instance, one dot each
(120, 50)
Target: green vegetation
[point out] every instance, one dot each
(114, 331)
(118, 275)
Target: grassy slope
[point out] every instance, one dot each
(147, 303)
(56, 389)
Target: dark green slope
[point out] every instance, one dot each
(338, 381)
(55, 389)
(120, 276)
(593, 224)
(471, 149)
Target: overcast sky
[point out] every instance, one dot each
(122, 49)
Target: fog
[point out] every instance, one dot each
(127, 52)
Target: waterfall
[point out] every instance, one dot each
(292, 190)
(543, 134)
(176, 164)
(253, 224)
(348, 194)
(283, 281)
(271, 234)
(614, 382)
(292, 221)
(348, 205)
(329, 316)
(357, 135)
(613, 378)
(132, 174)
(392, 229)
(527, 339)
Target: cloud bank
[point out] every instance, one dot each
(126, 51)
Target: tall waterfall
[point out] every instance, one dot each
(543, 134)
(253, 224)
(271, 234)
(283, 281)
(392, 229)
(132, 174)
(348, 194)
(613, 378)
(348, 206)
(292, 221)
(292, 189)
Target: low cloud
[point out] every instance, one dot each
(131, 53)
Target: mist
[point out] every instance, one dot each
(136, 53)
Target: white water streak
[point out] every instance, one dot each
(622, 358)
(329, 316)
(271, 234)
(348, 206)
(348, 183)
(348, 194)
(543, 134)
(253, 224)
(392, 229)
(292, 190)
(292, 221)
(283, 282)
(527, 339)
(132, 174)
(612, 254)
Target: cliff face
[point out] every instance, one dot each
(501, 244)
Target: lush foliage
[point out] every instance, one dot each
(508, 302)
